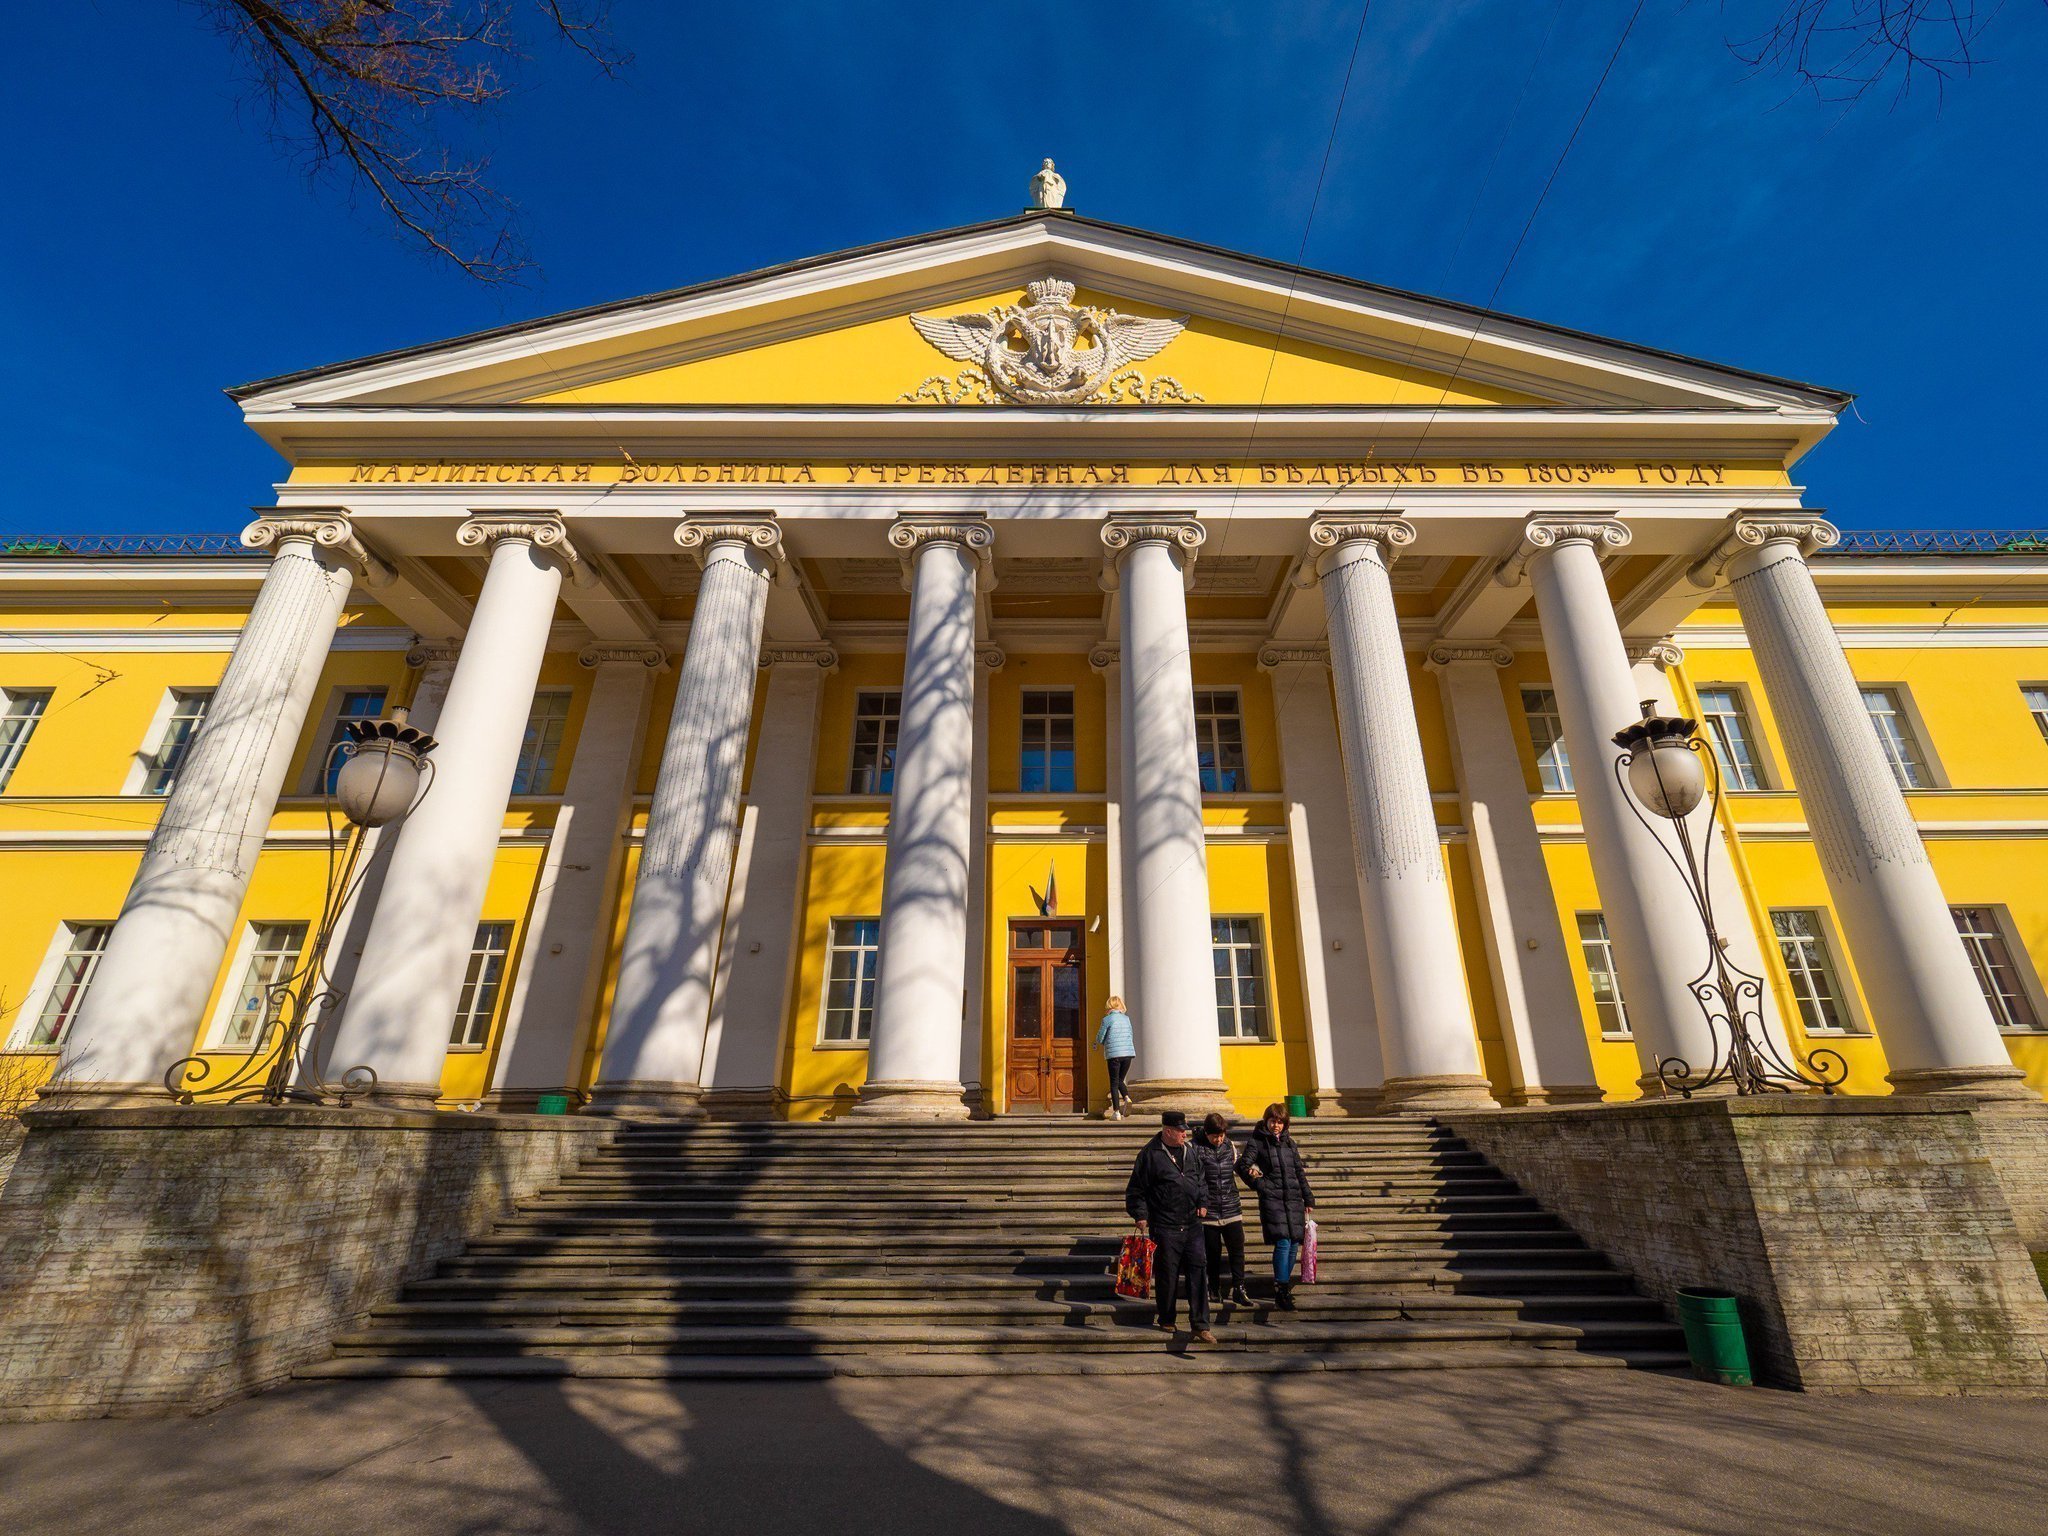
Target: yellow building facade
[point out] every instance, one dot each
(1023, 409)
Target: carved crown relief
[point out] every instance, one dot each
(1048, 351)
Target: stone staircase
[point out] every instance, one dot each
(776, 1250)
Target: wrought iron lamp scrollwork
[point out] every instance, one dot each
(1663, 771)
(376, 777)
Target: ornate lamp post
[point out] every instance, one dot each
(1663, 769)
(382, 774)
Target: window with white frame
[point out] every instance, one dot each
(2037, 706)
(877, 716)
(1240, 959)
(1047, 765)
(477, 1005)
(1817, 987)
(852, 956)
(83, 943)
(20, 709)
(1546, 735)
(351, 705)
(1728, 729)
(188, 711)
(273, 955)
(545, 723)
(1983, 936)
(1219, 740)
(1609, 1011)
(1895, 734)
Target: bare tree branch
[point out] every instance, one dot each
(372, 92)
(1842, 49)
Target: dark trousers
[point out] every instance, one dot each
(1215, 1240)
(1119, 1069)
(1181, 1252)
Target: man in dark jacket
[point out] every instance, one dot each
(1168, 1197)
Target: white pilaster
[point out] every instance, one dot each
(1427, 1045)
(1180, 1056)
(974, 1022)
(914, 1049)
(1660, 945)
(661, 1008)
(1336, 981)
(397, 1019)
(140, 1014)
(1937, 1031)
(1122, 977)
(1526, 956)
(750, 1002)
(553, 1006)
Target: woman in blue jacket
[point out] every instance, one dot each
(1119, 1046)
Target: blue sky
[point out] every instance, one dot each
(157, 249)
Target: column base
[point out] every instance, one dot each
(1990, 1082)
(1342, 1103)
(80, 1093)
(1197, 1096)
(524, 1101)
(1427, 1095)
(383, 1095)
(744, 1103)
(1535, 1097)
(1651, 1086)
(644, 1099)
(911, 1101)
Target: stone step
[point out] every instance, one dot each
(895, 1190)
(961, 1239)
(1357, 1211)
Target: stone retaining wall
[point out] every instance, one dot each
(1869, 1239)
(170, 1259)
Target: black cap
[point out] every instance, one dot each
(1174, 1120)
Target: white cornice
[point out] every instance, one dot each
(1884, 637)
(354, 637)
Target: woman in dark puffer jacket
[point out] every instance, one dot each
(1272, 1165)
(1223, 1227)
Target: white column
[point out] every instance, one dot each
(1660, 946)
(1180, 1056)
(1525, 948)
(1931, 1016)
(1427, 1044)
(914, 1046)
(751, 999)
(1336, 981)
(140, 1015)
(654, 1047)
(974, 1021)
(553, 1006)
(396, 1020)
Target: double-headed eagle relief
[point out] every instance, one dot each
(1047, 351)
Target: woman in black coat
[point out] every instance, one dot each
(1223, 1227)
(1272, 1165)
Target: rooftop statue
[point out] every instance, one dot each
(1048, 188)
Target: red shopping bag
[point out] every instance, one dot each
(1134, 1266)
(1308, 1256)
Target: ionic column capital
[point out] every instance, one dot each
(1102, 657)
(330, 531)
(608, 653)
(761, 536)
(1446, 653)
(823, 657)
(1271, 656)
(1749, 531)
(434, 655)
(992, 657)
(548, 534)
(1546, 533)
(908, 535)
(1664, 653)
(1327, 537)
(1183, 535)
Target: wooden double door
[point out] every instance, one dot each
(1048, 1048)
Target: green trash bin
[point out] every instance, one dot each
(551, 1104)
(1297, 1106)
(1713, 1335)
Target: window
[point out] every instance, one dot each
(851, 959)
(1895, 735)
(1219, 740)
(1048, 763)
(1608, 1008)
(84, 943)
(188, 709)
(273, 956)
(1983, 937)
(545, 723)
(1728, 729)
(1240, 977)
(1546, 735)
(876, 717)
(478, 1004)
(20, 709)
(350, 706)
(1804, 948)
(2037, 706)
